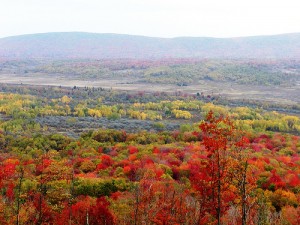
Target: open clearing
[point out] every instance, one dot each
(274, 94)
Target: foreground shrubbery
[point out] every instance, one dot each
(205, 175)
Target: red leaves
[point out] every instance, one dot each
(10, 191)
(43, 212)
(115, 195)
(171, 183)
(100, 149)
(156, 150)
(88, 211)
(10, 167)
(7, 171)
(294, 180)
(216, 132)
(132, 149)
(243, 142)
(159, 172)
(126, 169)
(100, 214)
(42, 166)
(209, 175)
(106, 161)
(276, 180)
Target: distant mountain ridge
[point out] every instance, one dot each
(75, 45)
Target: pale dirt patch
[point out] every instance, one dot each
(277, 94)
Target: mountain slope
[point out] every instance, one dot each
(99, 46)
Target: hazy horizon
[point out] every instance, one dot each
(184, 36)
(154, 18)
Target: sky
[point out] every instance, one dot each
(156, 18)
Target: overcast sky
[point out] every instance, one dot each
(158, 18)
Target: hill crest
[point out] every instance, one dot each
(75, 45)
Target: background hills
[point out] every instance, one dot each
(75, 45)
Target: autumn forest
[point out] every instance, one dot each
(100, 156)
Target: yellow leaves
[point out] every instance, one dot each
(291, 121)
(65, 99)
(224, 126)
(137, 115)
(87, 166)
(143, 116)
(171, 105)
(281, 198)
(245, 113)
(180, 114)
(290, 215)
(12, 104)
(99, 100)
(94, 113)
(137, 105)
(218, 110)
(58, 190)
(291, 118)
(11, 161)
(153, 106)
(122, 112)
(80, 110)
(57, 171)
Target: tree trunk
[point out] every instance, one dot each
(18, 196)
(87, 217)
(71, 194)
(136, 206)
(40, 210)
(219, 191)
(244, 180)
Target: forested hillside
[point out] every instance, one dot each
(194, 162)
(77, 45)
(75, 152)
(180, 72)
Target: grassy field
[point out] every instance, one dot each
(273, 94)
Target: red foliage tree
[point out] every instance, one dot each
(212, 176)
(100, 214)
(87, 211)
